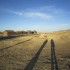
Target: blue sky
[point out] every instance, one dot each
(40, 15)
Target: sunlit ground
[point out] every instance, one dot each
(22, 50)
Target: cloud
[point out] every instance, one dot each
(38, 14)
(14, 12)
(48, 9)
(44, 12)
(30, 13)
(51, 9)
(17, 13)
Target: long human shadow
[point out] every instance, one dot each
(14, 45)
(54, 64)
(32, 63)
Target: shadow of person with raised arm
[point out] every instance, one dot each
(54, 64)
(31, 64)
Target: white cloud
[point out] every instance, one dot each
(38, 14)
(44, 12)
(47, 9)
(31, 14)
(15, 12)
(51, 9)
(12, 11)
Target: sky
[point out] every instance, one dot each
(40, 15)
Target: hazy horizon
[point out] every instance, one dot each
(40, 15)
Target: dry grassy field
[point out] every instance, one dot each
(50, 51)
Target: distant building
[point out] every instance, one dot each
(21, 32)
(9, 33)
(31, 32)
(12, 33)
(34, 32)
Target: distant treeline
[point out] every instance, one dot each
(16, 33)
